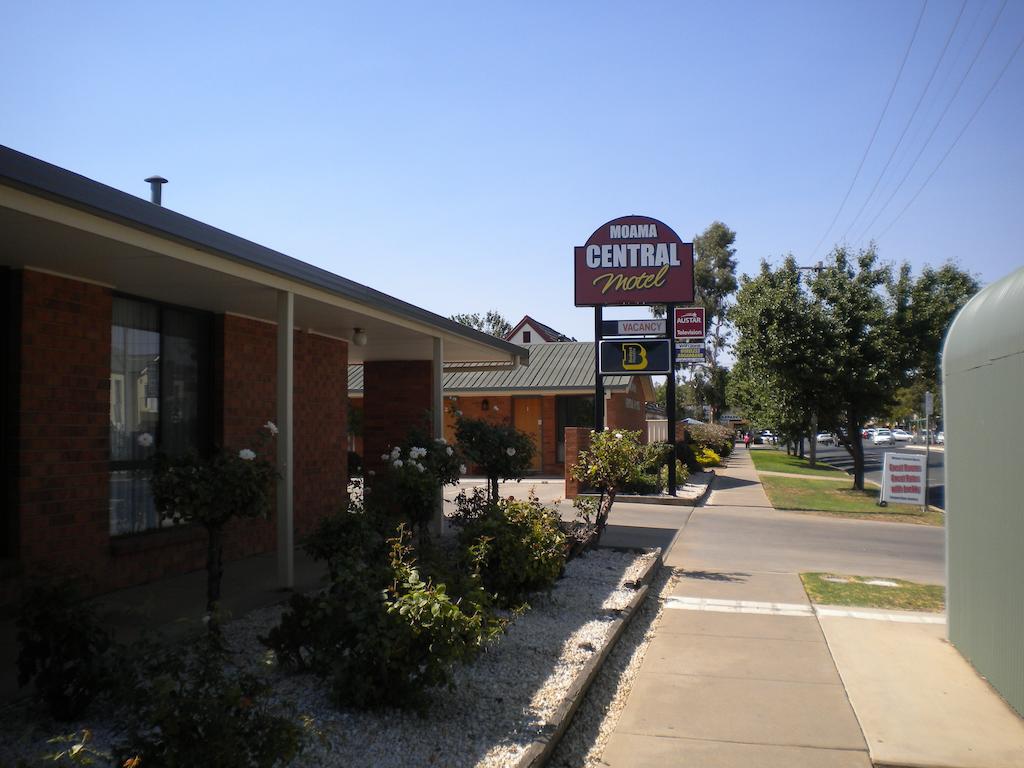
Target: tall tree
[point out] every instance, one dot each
(860, 301)
(493, 322)
(934, 299)
(783, 358)
(714, 283)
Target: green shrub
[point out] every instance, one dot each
(187, 709)
(409, 486)
(717, 437)
(681, 474)
(351, 542)
(500, 450)
(355, 465)
(383, 645)
(524, 548)
(685, 454)
(708, 458)
(63, 648)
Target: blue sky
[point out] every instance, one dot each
(452, 154)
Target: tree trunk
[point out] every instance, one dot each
(492, 488)
(604, 509)
(801, 446)
(814, 439)
(856, 450)
(214, 568)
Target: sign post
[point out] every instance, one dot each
(634, 261)
(928, 407)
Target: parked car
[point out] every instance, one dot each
(824, 438)
(769, 437)
(883, 437)
(941, 438)
(901, 435)
(868, 433)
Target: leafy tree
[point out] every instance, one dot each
(714, 280)
(491, 322)
(500, 450)
(611, 461)
(860, 301)
(210, 492)
(783, 358)
(931, 302)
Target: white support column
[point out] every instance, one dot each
(437, 415)
(285, 424)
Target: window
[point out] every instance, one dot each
(571, 411)
(526, 337)
(159, 400)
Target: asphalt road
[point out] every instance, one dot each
(873, 458)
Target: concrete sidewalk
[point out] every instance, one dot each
(743, 672)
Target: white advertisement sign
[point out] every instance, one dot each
(903, 478)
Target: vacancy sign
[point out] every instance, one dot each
(903, 479)
(689, 322)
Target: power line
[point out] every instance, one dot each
(942, 117)
(874, 133)
(910, 120)
(963, 130)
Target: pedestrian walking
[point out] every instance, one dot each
(746, 440)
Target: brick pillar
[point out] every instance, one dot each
(577, 439)
(396, 399)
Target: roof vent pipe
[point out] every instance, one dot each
(155, 188)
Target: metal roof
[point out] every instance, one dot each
(562, 367)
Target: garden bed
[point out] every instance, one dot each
(511, 697)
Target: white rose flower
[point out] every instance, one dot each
(372, 473)
(420, 467)
(448, 450)
(440, 440)
(496, 409)
(618, 435)
(271, 427)
(462, 469)
(397, 463)
(510, 451)
(396, 452)
(246, 455)
(384, 457)
(145, 440)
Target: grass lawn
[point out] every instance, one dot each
(774, 460)
(811, 495)
(833, 589)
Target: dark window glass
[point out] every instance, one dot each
(159, 400)
(572, 411)
(526, 337)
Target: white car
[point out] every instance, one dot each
(883, 437)
(941, 438)
(901, 436)
(824, 438)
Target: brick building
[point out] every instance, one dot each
(556, 391)
(121, 319)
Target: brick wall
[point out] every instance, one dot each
(625, 410)
(63, 434)
(396, 398)
(62, 451)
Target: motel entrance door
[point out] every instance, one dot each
(526, 418)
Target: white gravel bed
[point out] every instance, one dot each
(583, 744)
(499, 705)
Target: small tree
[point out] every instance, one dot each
(608, 464)
(210, 492)
(409, 487)
(500, 450)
